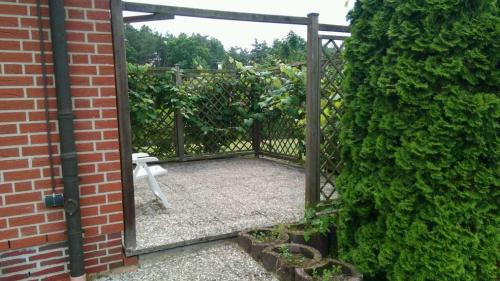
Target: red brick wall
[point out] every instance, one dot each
(32, 237)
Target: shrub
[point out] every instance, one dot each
(420, 189)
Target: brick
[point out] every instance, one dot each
(17, 268)
(90, 211)
(56, 237)
(9, 233)
(28, 231)
(55, 261)
(106, 124)
(37, 150)
(33, 22)
(58, 277)
(87, 190)
(102, 27)
(92, 179)
(110, 228)
(14, 9)
(106, 70)
(8, 262)
(87, 114)
(27, 220)
(115, 217)
(39, 93)
(13, 140)
(76, 13)
(102, 59)
(110, 258)
(16, 57)
(93, 200)
(107, 145)
(97, 220)
(89, 158)
(111, 208)
(99, 4)
(85, 147)
(79, 80)
(85, 92)
(8, 129)
(103, 81)
(81, 48)
(95, 269)
(9, 152)
(83, 69)
(23, 186)
(109, 166)
(13, 164)
(72, 36)
(37, 69)
(111, 156)
(113, 176)
(88, 135)
(55, 216)
(13, 69)
(16, 104)
(28, 242)
(79, 25)
(58, 268)
(10, 45)
(53, 227)
(36, 127)
(11, 93)
(4, 245)
(22, 175)
(8, 21)
(14, 33)
(86, 169)
(22, 198)
(5, 188)
(12, 116)
(107, 91)
(98, 15)
(78, 3)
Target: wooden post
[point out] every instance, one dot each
(313, 113)
(179, 122)
(124, 127)
(256, 138)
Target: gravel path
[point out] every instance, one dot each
(222, 261)
(216, 197)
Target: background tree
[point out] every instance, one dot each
(292, 48)
(419, 189)
(143, 46)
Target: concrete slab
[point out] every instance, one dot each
(218, 197)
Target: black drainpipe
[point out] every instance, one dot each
(69, 162)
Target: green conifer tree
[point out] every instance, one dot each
(420, 135)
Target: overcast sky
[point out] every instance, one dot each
(234, 33)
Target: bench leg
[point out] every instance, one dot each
(155, 187)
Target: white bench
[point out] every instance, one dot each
(142, 170)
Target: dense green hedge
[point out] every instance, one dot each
(420, 190)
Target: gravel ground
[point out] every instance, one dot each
(221, 261)
(216, 197)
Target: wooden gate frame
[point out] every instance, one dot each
(161, 12)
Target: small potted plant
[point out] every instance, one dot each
(255, 240)
(316, 229)
(328, 270)
(285, 258)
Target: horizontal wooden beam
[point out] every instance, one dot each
(334, 28)
(151, 17)
(212, 14)
(332, 37)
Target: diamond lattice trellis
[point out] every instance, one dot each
(214, 108)
(331, 112)
(158, 138)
